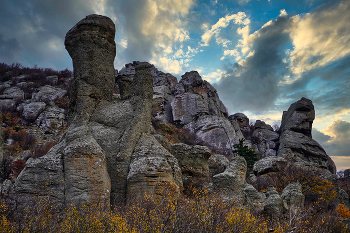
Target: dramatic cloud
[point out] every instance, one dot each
(153, 29)
(335, 139)
(214, 31)
(320, 38)
(39, 29)
(252, 84)
(9, 50)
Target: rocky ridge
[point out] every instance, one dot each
(109, 154)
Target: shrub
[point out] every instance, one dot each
(343, 211)
(62, 102)
(249, 154)
(17, 167)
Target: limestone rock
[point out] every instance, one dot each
(15, 92)
(41, 177)
(53, 117)
(193, 161)
(296, 143)
(230, 184)
(217, 164)
(163, 86)
(269, 164)
(52, 80)
(293, 196)
(195, 97)
(215, 131)
(274, 206)
(243, 123)
(301, 149)
(266, 139)
(48, 94)
(254, 199)
(32, 110)
(299, 117)
(152, 169)
(7, 102)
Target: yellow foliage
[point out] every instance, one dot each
(343, 211)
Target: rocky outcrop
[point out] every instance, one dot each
(106, 153)
(269, 164)
(296, 143)
(231, 185)
(274, 206)
(217, 164)
(163, 89)
(48, 94)
(243, 123)
(266, 139)
(32, 110)
(293, 196)
(195, 97)
(193, 161)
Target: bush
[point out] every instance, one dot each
(42, 150)
(249, 155)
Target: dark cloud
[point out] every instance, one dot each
(254, 85)
(39, 29)
(320, 137)
(338, 145)
(9, 50)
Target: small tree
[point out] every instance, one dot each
(250, 156)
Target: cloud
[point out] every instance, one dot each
(214, 76)
(39, 29)
(153, 29)
(214, 31)
(335, 139)
(252, 85)
(320, 37)
(9, 50)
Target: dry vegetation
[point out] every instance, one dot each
(203, 212)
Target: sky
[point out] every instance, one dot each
(260, 55)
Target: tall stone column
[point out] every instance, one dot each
(91, 45)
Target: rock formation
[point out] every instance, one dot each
(296, 143)
(106, 154)
(266, 139)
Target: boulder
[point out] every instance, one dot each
(274, 206)
(243, 123)
(215, 131)
(292, 194)
(15, 92)
(230, 184)
(296, 143)
(52, 117)
(193, 161)
(266, 139)
(52, 80)
(32, 110)
(269, 164)
(7, 102)
(299, 117)
(195, 97)
(152, 170)
(48, 94)
(217, 164)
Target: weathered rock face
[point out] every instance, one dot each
(195, 97)
(193, 161)
(243, 123)
(215, 131)
(232, 186)
(163, 88)
(296, 143)
(1, 145)
(106, 153)
(48, 94)
(269, 164)
(274, 206)
(152, 169)
(32, 110)
(293, 196)
(217, 164)
(266, 139)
